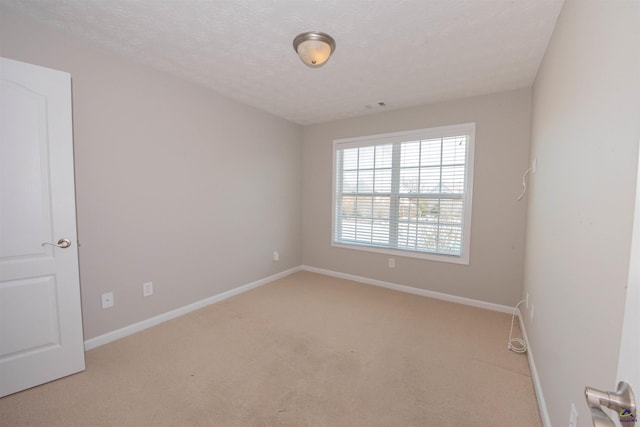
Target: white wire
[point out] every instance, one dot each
(517, 345)
(524, 183)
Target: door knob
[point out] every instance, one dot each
(622, 401)
(62, 243)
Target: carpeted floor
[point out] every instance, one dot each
(306, 350)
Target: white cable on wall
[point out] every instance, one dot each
(524, 183)
(517, 345)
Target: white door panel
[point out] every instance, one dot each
(23, 203)
(619, 406)
(23, 331)
(40, 318)
(629, 359)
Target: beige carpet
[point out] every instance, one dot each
(306, 350)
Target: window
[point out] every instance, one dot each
(406, 193)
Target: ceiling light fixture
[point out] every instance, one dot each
(314, 48)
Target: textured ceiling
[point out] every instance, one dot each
(401, 52)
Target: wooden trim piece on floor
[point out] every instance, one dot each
(140, 326)
(542, 405)
(153, 321)
(411, 290)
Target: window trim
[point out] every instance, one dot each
(405, 136)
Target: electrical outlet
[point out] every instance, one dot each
(534, 165)
(147, 289)
(526, 304)
(531, 312)
(276, 256)
(573, 416)
(392, 263)
(107, 300)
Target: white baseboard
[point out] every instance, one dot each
(542, 406)
(411, 290)
(140, 326)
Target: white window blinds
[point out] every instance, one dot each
(408, 191)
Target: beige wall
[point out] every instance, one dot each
(497, 230)
(585, 133)
(175, 184)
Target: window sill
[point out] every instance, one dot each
(464, 260)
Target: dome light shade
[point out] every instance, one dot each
(314, 48)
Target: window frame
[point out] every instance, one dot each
(467, 129)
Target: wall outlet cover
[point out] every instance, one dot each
(107, 300)
(147, 289)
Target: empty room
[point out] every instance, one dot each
(319, 212)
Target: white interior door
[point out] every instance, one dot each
(40, 319)
(629, 361)
(619, 406)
